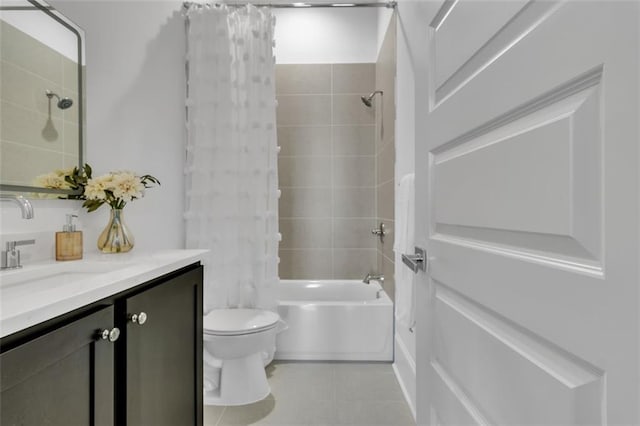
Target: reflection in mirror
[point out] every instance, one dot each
(41, 95)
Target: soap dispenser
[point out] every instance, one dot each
(69, 241)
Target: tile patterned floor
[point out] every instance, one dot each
(322, 393)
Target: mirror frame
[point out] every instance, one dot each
(79, 33)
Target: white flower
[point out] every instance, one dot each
(51, 180)
(127, 186)
(64, 172)
(96, 188)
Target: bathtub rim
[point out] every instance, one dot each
(382, 301)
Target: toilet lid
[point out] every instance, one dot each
(238, 321)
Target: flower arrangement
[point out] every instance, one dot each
(54, 180)
(114, 188)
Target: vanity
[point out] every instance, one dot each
(112, 339)
(103, 341)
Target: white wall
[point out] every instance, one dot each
(41, 27)
(384, 17)
(326, 35)
(405, 100)
(135, 111)
(49, 216)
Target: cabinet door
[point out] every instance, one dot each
(164, 355)
(64, 377)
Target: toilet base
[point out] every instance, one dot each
(243, 381)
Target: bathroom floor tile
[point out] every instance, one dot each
(365, 413)
(312, 381)
(367, 386)
(212, 414)
(365, 367)
(322, 393)
(248, 414)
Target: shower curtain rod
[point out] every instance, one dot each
(300, 5)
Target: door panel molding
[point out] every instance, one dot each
(509, 367)
(518, 22)
(537, 187)
(460, 408)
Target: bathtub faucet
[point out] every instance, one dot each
(370, 277)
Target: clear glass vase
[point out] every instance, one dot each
(116, 237)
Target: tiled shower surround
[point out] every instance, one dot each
(327, 171)
(385, 153)
(32, 126)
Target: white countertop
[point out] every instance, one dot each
(42, 291)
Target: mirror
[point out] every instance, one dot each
(42, 97)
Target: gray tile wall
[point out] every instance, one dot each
(385, 154)
(28, 127)
(327, 171)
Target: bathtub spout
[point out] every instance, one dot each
(367, 279)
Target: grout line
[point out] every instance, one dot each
(290, 249)
(376, 196)
(369, 218)
(294, 126)
(386, 145)
(324, 93)
(368, 249)
(221, 415)
(58, 115)
(333, 201)
(324, 156)
(41, 77)
(387, 257)
(285, 126)
(384, 183)
(329, 187)
(37, 148)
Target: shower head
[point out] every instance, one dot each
(368, 100)
(63, 103)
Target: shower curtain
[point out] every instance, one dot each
(231, 162)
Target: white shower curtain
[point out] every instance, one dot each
(231, 164)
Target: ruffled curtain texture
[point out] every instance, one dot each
(231, 164)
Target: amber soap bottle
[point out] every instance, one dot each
(69, 241)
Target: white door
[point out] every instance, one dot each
(528, 204)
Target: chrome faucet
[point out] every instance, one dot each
(25, 205)
(10, 258)
(371, 276)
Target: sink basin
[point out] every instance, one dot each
(57, 274)
(41, 291)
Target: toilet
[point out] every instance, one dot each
(237, 342)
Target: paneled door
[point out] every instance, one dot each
(528, 206)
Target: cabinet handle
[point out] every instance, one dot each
(139, 319)
(110, 335)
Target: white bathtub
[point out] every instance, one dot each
(338, 320)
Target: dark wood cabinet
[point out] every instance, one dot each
(63, 377)
(63, 373)
(159, 353)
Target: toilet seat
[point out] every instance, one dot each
(235, 322)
